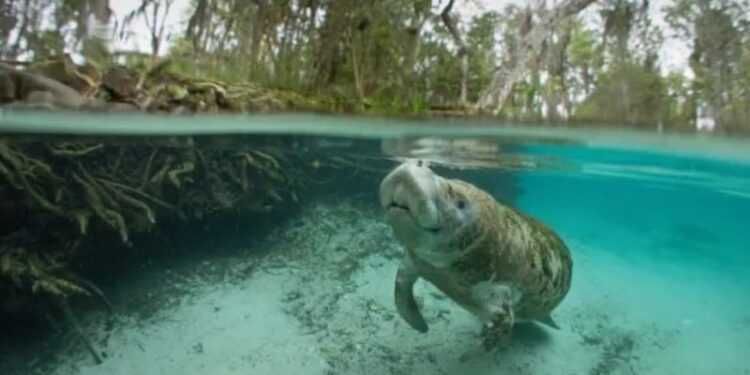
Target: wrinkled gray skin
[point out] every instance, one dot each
(497, 263)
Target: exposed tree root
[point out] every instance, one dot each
(26, 268)
(73, 321)
(143, 195)
(73, 193)
(147, 169)
(94, 289)
(72, 150)
(96, 202)
(174, 174)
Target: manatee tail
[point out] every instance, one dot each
(547, 320)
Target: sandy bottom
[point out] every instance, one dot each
(320, 302)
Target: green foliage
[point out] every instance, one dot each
(482, 40)
(681, 100)
(583, 48)
(629, 93)
(397, 56)
(718, 32)
(584, 59)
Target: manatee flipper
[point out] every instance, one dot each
(498, 327)
(404, 294)
(497, 316)
(494, 331)
(548, 321)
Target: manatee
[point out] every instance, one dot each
(500, 264)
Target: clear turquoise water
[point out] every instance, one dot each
(664, 239)
(658, 225)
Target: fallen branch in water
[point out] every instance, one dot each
(73, 321)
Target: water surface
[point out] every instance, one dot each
(656, 223)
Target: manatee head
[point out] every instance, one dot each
(431, 215)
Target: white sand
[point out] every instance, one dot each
(321, 302)
(219, 329)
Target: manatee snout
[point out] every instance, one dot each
(408, 195)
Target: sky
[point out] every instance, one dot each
(673, 55)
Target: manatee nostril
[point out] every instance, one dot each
(420, 163)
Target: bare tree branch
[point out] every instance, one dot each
(22, 31)
(421, 15)
(153, 23)
(450, 24)
(494, 96)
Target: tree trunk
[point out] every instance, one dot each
(22, 31)
(155, 24)
(556, 93)
(356, 68)
(153, 28)
(285, 33)
(228, 27)
(414, 36)
(8, 22)
(494, 96)
(163, 24)
(450, 24)
(331, 33)
(259, 30)
(197, 24)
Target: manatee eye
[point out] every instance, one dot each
(419, 163)
(450, 190)
(461, 205)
